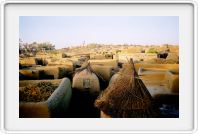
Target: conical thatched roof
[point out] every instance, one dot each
(127, 96)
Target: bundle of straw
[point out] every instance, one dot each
(126, 96)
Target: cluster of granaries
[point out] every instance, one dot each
(92, 90)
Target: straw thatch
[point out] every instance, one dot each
(86, 80)
(24, 83)
(126, 96)
(36, 92)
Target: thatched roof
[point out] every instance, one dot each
(127, 96)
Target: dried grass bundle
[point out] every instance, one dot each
(126, 96)
(36, 93)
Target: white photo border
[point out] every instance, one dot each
(3, 4)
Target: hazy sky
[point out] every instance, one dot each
(64, 31)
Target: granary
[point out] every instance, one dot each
(86, 80)
(126, 96)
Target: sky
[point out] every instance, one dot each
(64, 31)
